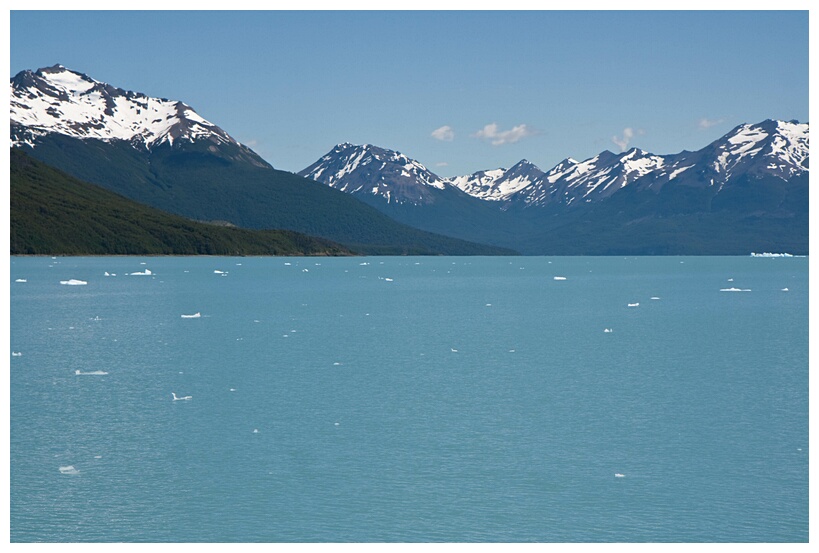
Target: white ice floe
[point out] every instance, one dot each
(218, 272)
(69, 470)
(784, 289)
(146, 272)
(73, 282)
(184, 398)
(21, 280)
(90, 373)
(560, 278)
(619, 475)
(637, 304)
(734, 289)
(453, 350)
(388, 279)
(655, 297)
(16, 353)
(607, 330)
(194, 316)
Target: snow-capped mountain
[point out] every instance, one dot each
(498, 184)
(777, 149)
(589, 181)
(771, 148)
(367, 170)
(56, 100)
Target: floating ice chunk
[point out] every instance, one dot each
(453, 350)
(194, 316)
(559, 277)
(305, 271)
(336, 364)
(90, 373)
(97, 456)
(73, 282)
(255, 430)
(21, 280)
(607, 330)
(511, 351)
(655, 297)
(388, 279)
(365, 263)
(337, 424)
(184, 398)
(106, 273)
(233, 389)
(488, 305)
(734, 289)
(637, 304)
(730, 280)
(146, 272)
(16, 353)
(69, 470)
(218, 272)
(618, 475)
(288, 264)
(784, 289)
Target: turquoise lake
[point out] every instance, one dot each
(409, 399)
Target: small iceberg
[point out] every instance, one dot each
(785, 290)
(184, 398)
(388, 279)
(90, 373)
(769, 254)
(557, 277)
(734, 289)
(69, 470)
(607, 330)
(73, 282)
(194, 316)
(218, 272)
(16, 353)
(655, 297)
(146, 272)
(634, 304)
(21, 280)
(619, 475)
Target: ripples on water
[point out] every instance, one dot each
(409, 399)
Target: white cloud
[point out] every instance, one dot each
(442, 164)
(623, 141)
(445, 133)
(490, 132)
(705, 123)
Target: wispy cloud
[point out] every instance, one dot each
(706, 123)
(622, 142)
(496, 137)
(442, 164)
(445, 133)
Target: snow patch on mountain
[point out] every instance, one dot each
(58, 100)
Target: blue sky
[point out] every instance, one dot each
(459, 91)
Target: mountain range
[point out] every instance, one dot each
(747, 188)
(746, 191)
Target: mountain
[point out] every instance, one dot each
(743, 190)
(55, 214)
(162, 153)
(408, 192)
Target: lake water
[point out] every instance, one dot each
(409, 399)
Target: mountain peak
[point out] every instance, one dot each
(59, 100)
